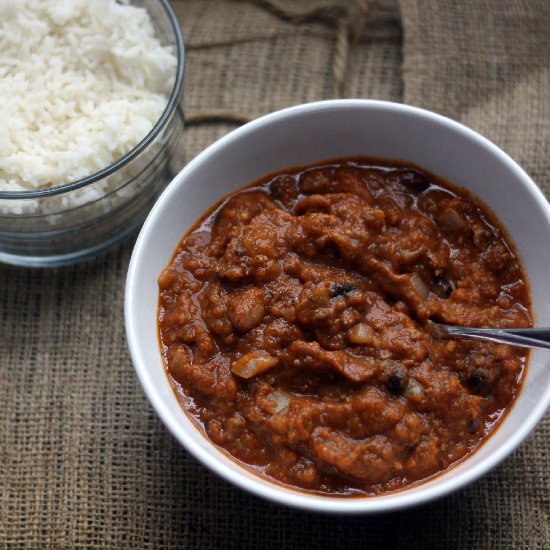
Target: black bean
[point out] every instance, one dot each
(444, 286)
(397, 381)
(341, 289)
(413, 180)
(477, 378)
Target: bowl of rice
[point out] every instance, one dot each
(90, 106)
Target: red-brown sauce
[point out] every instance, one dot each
(293, 316)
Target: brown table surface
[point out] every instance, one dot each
(84, 461)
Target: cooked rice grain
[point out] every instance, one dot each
(81, 83)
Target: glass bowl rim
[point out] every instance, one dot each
(170, 108)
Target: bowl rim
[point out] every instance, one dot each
(172, 104)
(239, 475)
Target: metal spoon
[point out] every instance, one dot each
(538, 338)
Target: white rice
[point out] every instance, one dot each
(81, 83)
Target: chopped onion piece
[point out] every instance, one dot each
(414, 391)
(252, 364)
(453, 220)
(420, 286)
(280, 400)
(362, 334)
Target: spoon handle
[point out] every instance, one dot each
(538, 338)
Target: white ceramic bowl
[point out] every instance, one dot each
(316, 132)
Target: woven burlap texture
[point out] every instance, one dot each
(84, 461)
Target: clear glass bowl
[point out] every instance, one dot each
(76, 220)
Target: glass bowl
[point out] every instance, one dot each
(76, 220)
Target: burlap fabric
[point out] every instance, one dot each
(83, 459)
